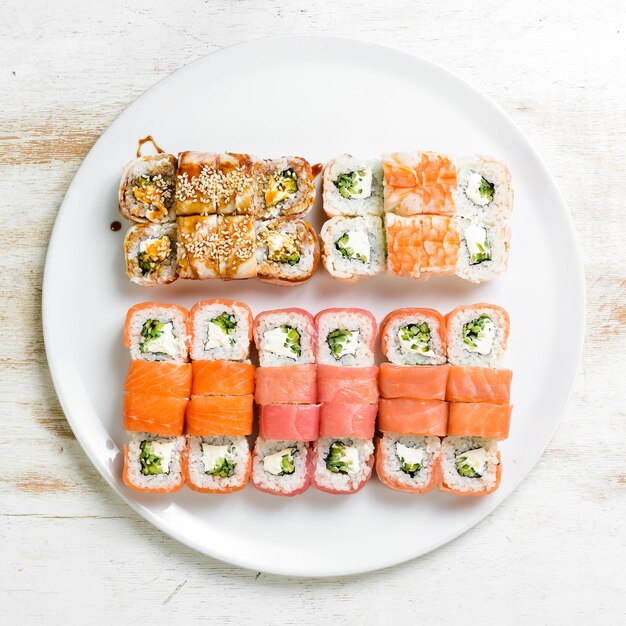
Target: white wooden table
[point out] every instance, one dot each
(71, 552)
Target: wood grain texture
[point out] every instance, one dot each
(553, 553)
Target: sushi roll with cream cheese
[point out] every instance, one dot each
(342, 466)
(483, 251)
(281, 468)
(150, 252)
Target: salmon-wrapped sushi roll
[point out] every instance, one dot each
(281, 468)
(479, 419)
(410, 464)
(217, 464)
(348, 418)
(154, 464)
(150, 253)
(220, 329)
(289, 422)
(159, 378)
(420, 382)
(478, 335)
(479, 384)
(218, 416)
(222, 378)
(347, 384)
(483, 250)
(285, 187)
(286, 384)
(342, 465)
(470, 466)
(353, 247)
(414, 337)
(353, 187)
(146, 192)
(149, 413)
(406, 416)
(419, 182)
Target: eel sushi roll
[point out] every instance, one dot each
(342, 466)
(220, 329)
(218, 464)
(150, 253)
(154, 464)
(483, 189)
(483, 251)
(208, 183)
(478, 335)
(353, 187)
(285, 187)
(281, 468)
(353, 247)
(287, 251)
(285, 337)
(146, 192)
(345, 337)
(419, 182)
(470, 466)
(157, 332)
(410, 464)
(414, 337)
(237, 247)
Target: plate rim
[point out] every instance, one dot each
(214, 551)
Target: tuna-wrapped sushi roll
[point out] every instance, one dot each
(483, 250)
(281, 468)
(285, 337)
(477, 335)
(285, 187)
(290, 422)
(218, 464)
(154, 464)
(353, 247)
(287, 251)
(353, 187)
(342, 466)
(410, 464)
(470, 466)
(146, 192)
(150, 252)
(345, 337)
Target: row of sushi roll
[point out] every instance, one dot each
(203, 215)
(445, 399)
(417, 215)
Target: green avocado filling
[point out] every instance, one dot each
(335, 461)
(348, 184)
(486, 189)
(152, 329)
(224, 468)
(342, 245)
(150, 464)
(481, 253)
(286, 463)
(284, 257)
(292, 339)
(474, 330)
(281, 186)
(336, 341)
(465, 469)
(227, 323)
(418, 334)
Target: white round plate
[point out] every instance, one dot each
(315, 97)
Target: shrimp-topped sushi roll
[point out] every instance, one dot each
(414, 337)
(409, 464)
(342, 466)
(146, 192)
(287, 251)
(220, 329)
(285, 187)
(157, 332)
(285, 337)
(419, 182)
(353, 247)
(154, 464)
(208, 183)
(345, 337)
(470, 466)
(484, 250)
(478, 335)
(281, 468)
(483, 189)
(353, 187)
(218, 464)
(150, 252)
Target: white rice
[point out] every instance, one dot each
(197, 472)
(395, 353)
(156, 481)
(393, 465)
(200, 321)
(335, 204)
(351, 320)
(452, 446)
(280, 484)
(166, 270)
(163, 314)
(352, 269)
(457, 352)
(338, 481)
(290, 318)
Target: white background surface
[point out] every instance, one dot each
(553, 552)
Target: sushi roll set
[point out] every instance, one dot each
(202, 215)
(445, 402)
